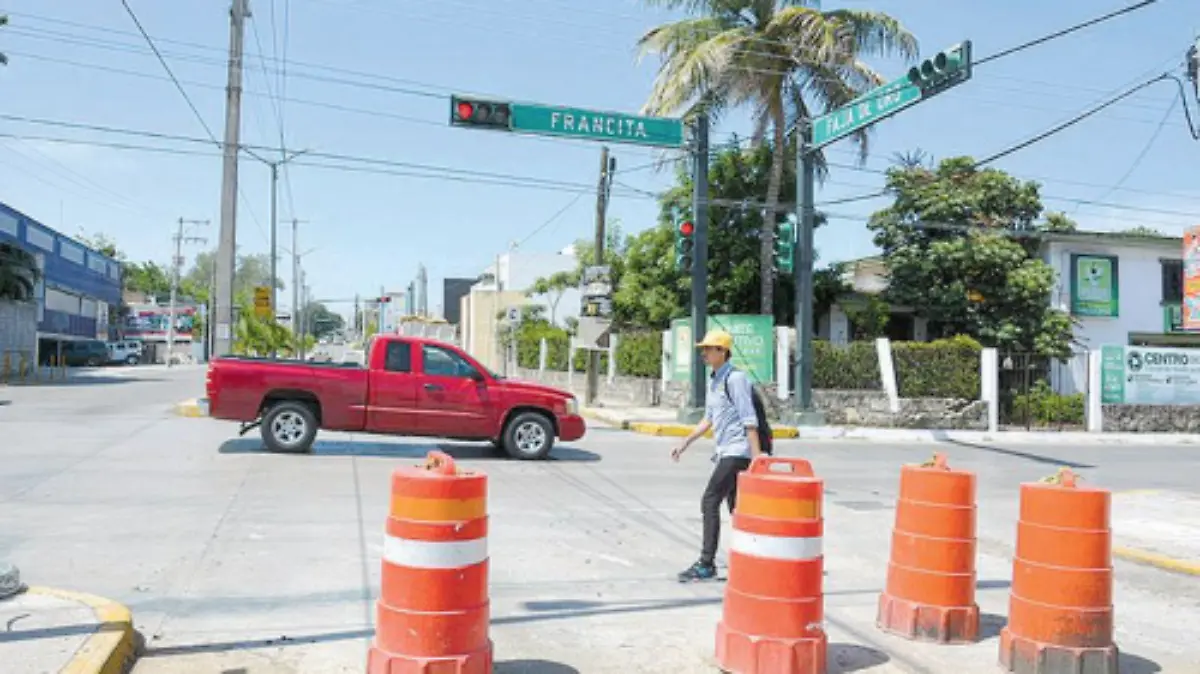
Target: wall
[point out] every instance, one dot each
(841, 408)
(18, 333)
(481, 324)
(519, 271)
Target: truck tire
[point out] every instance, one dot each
(289, 427)
(529, 436)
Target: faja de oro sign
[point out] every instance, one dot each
(1135, 375)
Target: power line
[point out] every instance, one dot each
(1066, 31)
(1145, 151)
(183, 92)
(551, 219)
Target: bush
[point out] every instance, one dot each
(946, 368)
(639, 354)
(1045, 407)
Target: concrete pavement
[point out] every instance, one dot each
(230, 557)
(50, 630)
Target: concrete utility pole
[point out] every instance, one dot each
(285, 157)
(226, 251)
(603, 189)
(1193, 67)
(695, 409)
(176, 264)
(296, 222)
(802, 267)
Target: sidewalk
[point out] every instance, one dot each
(53, 630)
(661, 421)
(1159, 528)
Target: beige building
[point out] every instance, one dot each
(481, 323)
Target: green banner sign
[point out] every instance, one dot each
(1095, 289)
(1137, 375)
(753, 345)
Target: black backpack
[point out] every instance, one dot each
(766, 439)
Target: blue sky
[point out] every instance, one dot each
(368, 230)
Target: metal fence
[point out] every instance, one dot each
(1040, 391)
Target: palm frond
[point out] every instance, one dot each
(869, 33)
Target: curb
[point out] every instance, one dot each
(682, 431)
(1156, 560)
(113, 647)
(193, 408)
(604, 417)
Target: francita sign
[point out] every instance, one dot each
(1135, 375)
(548, 120)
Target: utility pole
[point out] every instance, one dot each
(1193, 68)
(802, 268)
(603, 189)
(176, 264)
(695, 407)
(274, 166)
(226, 252)
(296, 275)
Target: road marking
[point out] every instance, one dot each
(1156, 560)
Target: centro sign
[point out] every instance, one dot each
(1144, 376)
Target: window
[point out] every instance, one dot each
(56, 300)
(70, 251)
(442, 363)
(1172, 281)
(399, 357)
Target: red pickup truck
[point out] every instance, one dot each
(409, 386)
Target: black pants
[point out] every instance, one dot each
(722, 486)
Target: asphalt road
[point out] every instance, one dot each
(234, 559)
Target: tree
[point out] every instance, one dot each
(252, 271)
(3, 22)
(1142, 230)
(781, 58)
(961, 248)
(19, 273)
(322, 322)
(553, 288)
(146, 277)
(102, 243)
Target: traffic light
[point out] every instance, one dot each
(785, 246)
(384, 300)
(947, 67)
(684, 245)
(480, 113)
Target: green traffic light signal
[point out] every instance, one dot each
(480, 113)
(785, 246)
(947, 67)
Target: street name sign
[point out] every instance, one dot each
(614, 127)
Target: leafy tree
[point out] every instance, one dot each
(321, 322)
(1142, 230)
(102, 243)
(779, 57)
(3, 22)
(961, 245)
(553, 288)
(148, 278)
(252, 270)
(870, 319)
(19, 273)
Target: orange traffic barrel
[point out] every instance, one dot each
(1060, 612)
(774, 601)
(432, 614)
(930, 590)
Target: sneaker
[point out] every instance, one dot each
(698, 572)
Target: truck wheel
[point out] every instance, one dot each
(528, 436)
(289, 426)
(132, 360)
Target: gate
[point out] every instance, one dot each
(1020, 375)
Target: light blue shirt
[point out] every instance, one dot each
(730, 414)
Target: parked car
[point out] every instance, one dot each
(81, 353)
(128, 351)
(409, 386)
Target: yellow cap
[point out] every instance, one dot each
(717, 338)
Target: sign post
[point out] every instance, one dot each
(556, 120)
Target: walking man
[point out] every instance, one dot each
(729, 412)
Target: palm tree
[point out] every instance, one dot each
(780, 57)
(18, 273)
(3, 22)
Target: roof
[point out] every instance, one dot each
(1118, 238)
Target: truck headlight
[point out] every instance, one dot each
(572, 406)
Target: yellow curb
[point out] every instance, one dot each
(189, 408)
(682, 430)
(113, 647)
(603, 418)
(1154, 559)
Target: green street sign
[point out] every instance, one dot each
(947, 68)
(613, 127)
(864, 111)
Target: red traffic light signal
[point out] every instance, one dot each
(686, 228)
(477, 113)
(464, 110)
(384, 300)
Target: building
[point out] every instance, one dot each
(80, 288)
(453, 290)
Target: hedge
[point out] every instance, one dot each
(946, 368)
(1044, 407)
(638, 354)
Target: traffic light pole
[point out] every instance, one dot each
(802, 268)
(695, 408)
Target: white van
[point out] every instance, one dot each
(127, 351)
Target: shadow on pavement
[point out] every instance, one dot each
(15, 632)
(83, 381)
(561, 610)
(990, 625)
(250, 644)
(416, 449)
(1135, 664)
(533, 667)
(1028, 456)
(844, 658)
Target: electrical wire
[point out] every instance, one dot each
(1066, 31)
(1141, 156)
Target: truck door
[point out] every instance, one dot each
(453, 398)
(392, 399)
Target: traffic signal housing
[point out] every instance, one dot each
(785, 246)
(685, 244)
(479, 113)
(944, 69)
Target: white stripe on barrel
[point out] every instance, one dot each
(434, 554)
(786, 548)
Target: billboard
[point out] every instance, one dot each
(1137, 375)
(151, 323)
(1191, 279)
